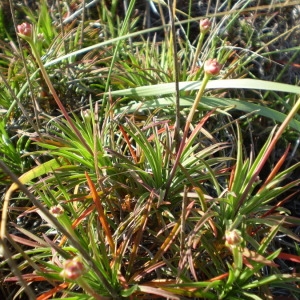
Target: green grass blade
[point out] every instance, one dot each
(169, 88)
(212, 102)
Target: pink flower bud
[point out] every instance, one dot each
(25, 29)
(205, 25)
(72, 268)
(233, 238)
(212, 67)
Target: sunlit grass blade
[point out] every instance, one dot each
(209, 103)
(169, 88)
(40, 170)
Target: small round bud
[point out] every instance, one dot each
(233, 238)
(212, 67)
(205, 25)
(25, 29)
(56, 210)
(86, 114)
(72, 268)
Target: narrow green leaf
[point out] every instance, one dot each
(36, 172)
(169, 88)
(272, 279)
(211, 102)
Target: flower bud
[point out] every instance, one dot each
(86, 114)
(212, 67)
(205, 25)
(233, 238)
(72, 268)
(25, 29)
(56, 210)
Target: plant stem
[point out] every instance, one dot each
(186, 130)
(172, 7)
(195, 105)
(198, 49)
(55, 96)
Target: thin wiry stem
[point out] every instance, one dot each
(186, 130)
(55, 96)
(34, 102)
(197, 52)
(177, 138)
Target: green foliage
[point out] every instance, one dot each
(12, 151)
(127, 209)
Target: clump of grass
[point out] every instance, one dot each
(137, 196)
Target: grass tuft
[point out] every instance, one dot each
(149, 150)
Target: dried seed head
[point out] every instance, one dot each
(212, 67)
